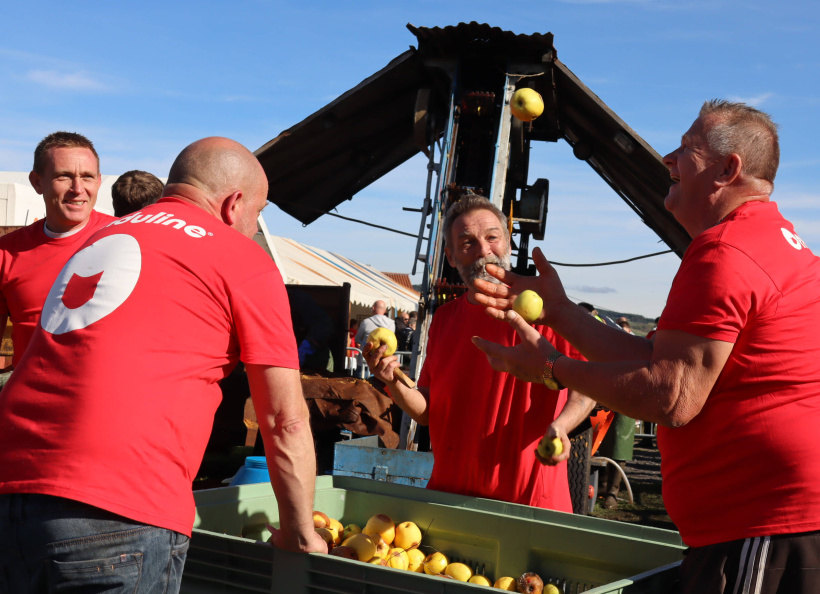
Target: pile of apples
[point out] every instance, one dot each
(383, 542)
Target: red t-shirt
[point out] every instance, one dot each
(748, 464)
(113, 402)
(30, 260)
(486, 425)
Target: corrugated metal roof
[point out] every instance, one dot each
(345, 146)
(400, 278)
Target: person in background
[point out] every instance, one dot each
(66, 172)
(484, 425)
(133, 190)
(403, 331)
(732, 374)
(366, 326)
(108, 414)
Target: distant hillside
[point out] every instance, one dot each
(640, 325)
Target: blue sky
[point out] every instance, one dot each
(144, 79)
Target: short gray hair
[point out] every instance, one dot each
(747, 131)
(469, 203)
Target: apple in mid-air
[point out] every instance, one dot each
(528, 305)
(526, 104)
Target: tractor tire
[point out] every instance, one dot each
(578, 471)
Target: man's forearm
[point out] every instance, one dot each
(577, 408)
(412, 401)
(284, 423)
(291, 456)
(597, 341)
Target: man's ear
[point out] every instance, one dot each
(230, 208)
(732, 168)
(448, 253)
(35, 181)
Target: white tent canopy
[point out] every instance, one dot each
(306, 265)
(299, 264)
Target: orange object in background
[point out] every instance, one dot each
(600, 424)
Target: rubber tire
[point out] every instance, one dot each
(578, 472)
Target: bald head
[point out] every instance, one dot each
(379, 308)
(212, 169)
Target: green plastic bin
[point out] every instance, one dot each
(579, 553)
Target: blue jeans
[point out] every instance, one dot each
(50, 544)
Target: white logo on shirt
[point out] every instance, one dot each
(163, 218)
(92, 284)
(794, 239)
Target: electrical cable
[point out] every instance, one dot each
(613, 262)
(405, 233)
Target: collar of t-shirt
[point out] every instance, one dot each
(54, 235)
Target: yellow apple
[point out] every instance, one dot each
(320, 520)
(398, 558)
(528, 305)
(350, 530)
(363, 545)
(378, 561)
(481, 580)
(458, 571)
(526, 104)
(381, 336)
(551, 589)
(434, 563)
(328, 535)
(416, 560)
(548, 448)
(340, 530)
(408, 535)
(382, 548)
(506, 583)
(382, 525)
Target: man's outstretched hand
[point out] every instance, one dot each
(524, 360)
(499, 298)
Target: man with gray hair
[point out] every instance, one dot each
(732, 374)
(484, 425)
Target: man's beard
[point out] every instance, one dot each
(476, 269)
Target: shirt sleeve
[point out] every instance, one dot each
(716, 291)
(261, 314)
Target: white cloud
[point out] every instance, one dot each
(588, 289)
(754, 101)
(75, 81)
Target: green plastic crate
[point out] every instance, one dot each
(579, 553)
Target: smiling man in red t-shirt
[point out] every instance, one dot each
(732, 375)
(67, 173)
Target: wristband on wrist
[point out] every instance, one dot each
(547, 376)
